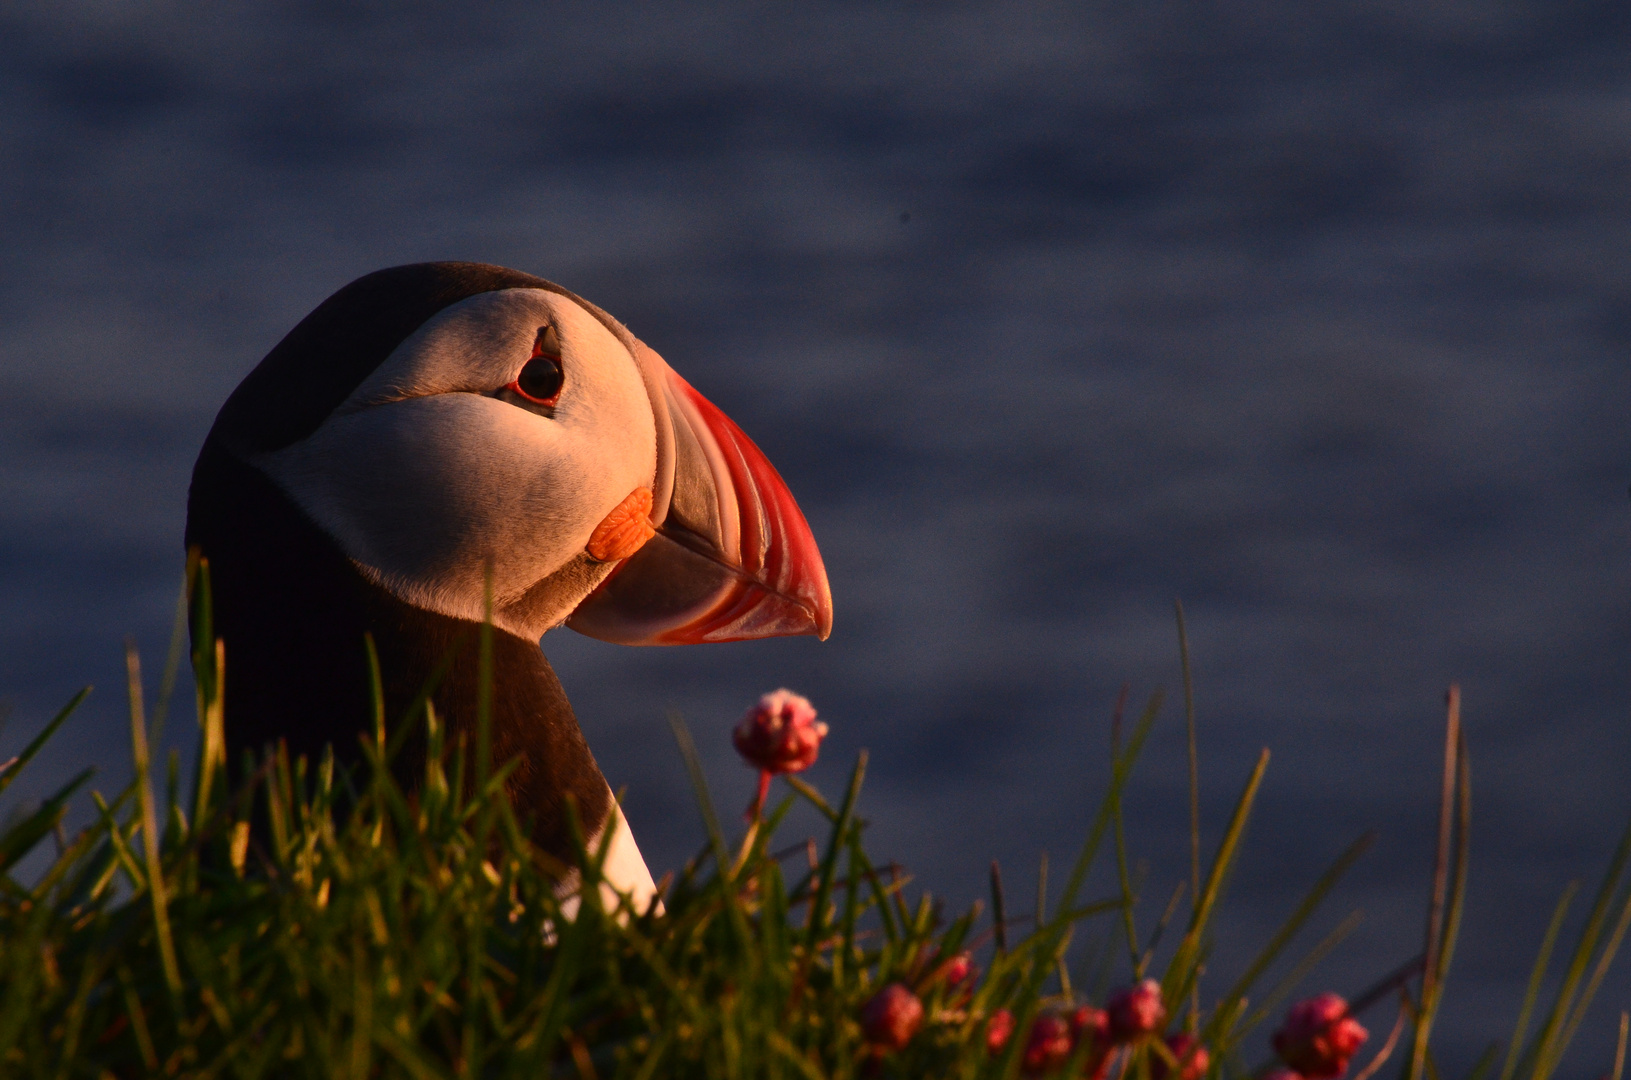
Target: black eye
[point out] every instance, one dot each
(540, 381)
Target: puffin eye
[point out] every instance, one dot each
(541, 380)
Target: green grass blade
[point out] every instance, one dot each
(1042, 889)
(815, 797)
(172, 661)
(829, 862)
(1619, 1047)
(212, 749)
(891, 929)
(1184, 961)
(11, 769)
(699, 787)
(1536, 975)
(21, 838)
(1119, 775)
(1605, 959)
(150, 825)
(999, 908)
(1194, 763)
(1463, 850)
(1129, 926)
(1428, 1005)
(1141, 962)
(1288, 930)
(1486, 1061)
(1046, 940)
(1300, 971)
(1543, 1055)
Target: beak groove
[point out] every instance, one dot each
(733, 557)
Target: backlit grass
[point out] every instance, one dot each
(312, 923)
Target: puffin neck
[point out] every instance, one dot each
(293, 610)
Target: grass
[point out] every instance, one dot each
(310, 922)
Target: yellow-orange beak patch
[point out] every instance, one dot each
(625, 530)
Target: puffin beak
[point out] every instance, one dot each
(732, 557)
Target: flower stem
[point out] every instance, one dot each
(764, 793)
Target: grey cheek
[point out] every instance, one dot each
(407, 502)
(426, 493)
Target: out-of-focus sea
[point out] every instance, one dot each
(1313, 316)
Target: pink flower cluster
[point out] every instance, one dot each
(1132, 1015)
(1136, 1012)
(956, 970)
(1318, 1039)
(893, 1015)
(1316, 1042)
(1191, 1056)
(780, 734)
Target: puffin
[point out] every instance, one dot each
(438, 441)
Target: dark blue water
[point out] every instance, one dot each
(1315, 318)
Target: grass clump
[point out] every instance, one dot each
(313, 922)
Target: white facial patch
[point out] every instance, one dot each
(623, 871)
(425, 480)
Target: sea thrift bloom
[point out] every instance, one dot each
(1092, 1026)
(997, 1031)
(957, 969)
(1136, 1012)
(778, 735)
(1090, 1023)
(1049, 1044)
(892, 1017)
(1319, 1037)
(1193, 1058)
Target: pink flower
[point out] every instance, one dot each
(997, 1031)
(780, 734)
(1136, 1012)
(1090, 1023)
(1193, 1059)
(957, 969)
(958, 972)
(1092, 1026)
(1049, 1044)
(892, 1017)
(1284, 1073)
(1318, 1037)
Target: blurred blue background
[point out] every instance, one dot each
(1314, 316)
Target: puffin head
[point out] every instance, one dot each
(432, 436)
(454, 424)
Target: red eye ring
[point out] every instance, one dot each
(541, 381)
(553, 399)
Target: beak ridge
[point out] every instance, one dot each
(733, 557)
